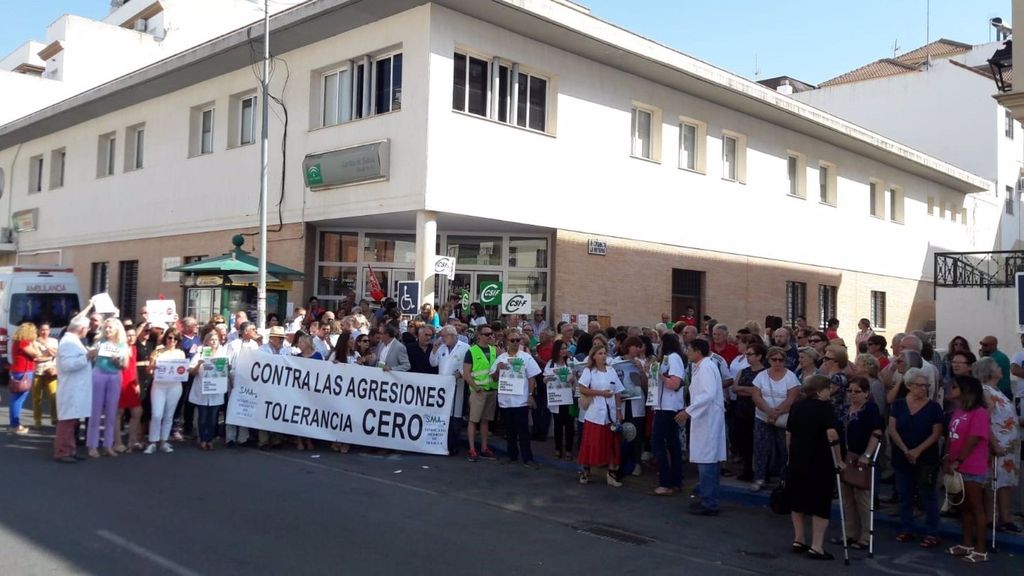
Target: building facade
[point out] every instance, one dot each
(541, 147)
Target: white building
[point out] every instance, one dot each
(938, 99)
(510, 133)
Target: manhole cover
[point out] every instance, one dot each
(615, 534)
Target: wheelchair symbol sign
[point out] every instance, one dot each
(409, 297)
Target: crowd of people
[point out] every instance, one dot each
(788, 405)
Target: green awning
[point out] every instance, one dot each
(237, 261)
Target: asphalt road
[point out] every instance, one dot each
(242, 511)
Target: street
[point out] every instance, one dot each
(242, 511)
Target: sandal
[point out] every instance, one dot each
(799, 547)
(975, 557)
(859, 546)
(959, 550)
(930, 542)
(904, 537)
(823, 555)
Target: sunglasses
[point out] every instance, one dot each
(484, 333)
(515, 339)
(776, 359)
(751, 354)
(814, 340)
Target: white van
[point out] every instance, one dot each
(35, 294)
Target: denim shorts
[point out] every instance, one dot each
(976, 478)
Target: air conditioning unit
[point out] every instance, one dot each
(6, 236)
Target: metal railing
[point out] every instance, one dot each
(978, 269)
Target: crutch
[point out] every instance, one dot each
(842, 511)
(871, 518)
(995, 501)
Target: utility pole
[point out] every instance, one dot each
(261, 287)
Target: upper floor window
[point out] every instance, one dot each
(734, 156)
(501, 91)
(201, 129)
(388, 84)
(1008, 127)
(247, 121)
(876, 199)
(896, 205)
(206, 132)
(106, 155)
(57, 160)
(796, 168)
(359, 88)
(642, 141)
(1010, 200)
(35, 174)
(692, 138)
(135, 148)
(827, 183)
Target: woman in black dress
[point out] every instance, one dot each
(813, 441)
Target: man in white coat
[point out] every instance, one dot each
(74, 394)
(447, 356)
(706, 413)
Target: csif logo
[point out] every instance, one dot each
(490, 293)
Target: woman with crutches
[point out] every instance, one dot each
(968, 455)
(1004, 443)
(862, 434)
(811, 437)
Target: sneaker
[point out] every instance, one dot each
(472, 456)
(488, 455)
(166, 448)
(757, 485)
(637, 471)
(151, 449)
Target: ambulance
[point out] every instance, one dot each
(35, 294)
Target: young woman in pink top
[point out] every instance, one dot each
(968, 454)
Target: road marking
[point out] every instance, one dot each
(351, 473)
(169, 565)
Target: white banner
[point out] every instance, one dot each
(444, 266)
(515, 304)
(171, 370)
(342, 402)
(165, 311)
(559, 391)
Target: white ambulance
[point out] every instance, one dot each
(35, 294)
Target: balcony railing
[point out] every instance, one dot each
(977, 269)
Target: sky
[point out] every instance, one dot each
(811, 40)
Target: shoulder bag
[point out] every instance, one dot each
(855, 474)
(23, 384)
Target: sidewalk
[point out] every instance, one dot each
(739, 493)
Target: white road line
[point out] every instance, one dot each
(153, 557)
(351, 473)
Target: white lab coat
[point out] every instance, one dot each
(74, 377)
(707, 414)
(451, 362)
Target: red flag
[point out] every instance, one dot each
(375, 292)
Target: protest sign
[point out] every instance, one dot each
(171, 370)
(102, 304)
(653, 384)
(631, 378)
(342, 402)
(512, 380)
(109, 350)
(559, 389)
(165, 311)
(214, 376)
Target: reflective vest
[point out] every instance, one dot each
(482, 367)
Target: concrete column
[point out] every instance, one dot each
(426, 243)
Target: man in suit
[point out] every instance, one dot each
(393, 354)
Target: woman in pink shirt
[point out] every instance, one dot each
(968, 454)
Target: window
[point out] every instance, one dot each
(827, 182)
(828, 296)
(876, 199)
(127, 287)
(134, 153)
(106, 153)
(206, 132)
(692, 136)
(35, 174)
(201, 129)
(1008, 129)
(963, 216)
(99, 281)
(500, 91)
(878, 309)
(931, 205)
(796, 168)
(641, 133)
(57, 159)
(796, 301)
(476, 250)
(388, 84)
(734, 157)
(247, 121)
(1009, 200)
(896, 205)
(336, 105)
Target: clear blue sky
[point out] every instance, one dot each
(812, 40)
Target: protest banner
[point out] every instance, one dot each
(171, 370)
(215, 376)
(559, 389)
(512, 380)
(342, 402)
(103, 304)
(109, 350)
(653, 385)
(631, 378)
(165, 311)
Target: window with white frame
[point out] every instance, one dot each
(642, 145)
(35, 174)
(57, 159)
(734, 156)
(963, 216)
(135, 147)
(1008, 127)
(201, 129)
(931, 205)
(106, 149)
(895, 194)
(206, 131)
(692, 138)
(876, 199)
(387, 84)
(500, 90)
(336, 100)
(878, 309)
(357, 88)
(247, 120)
(796, 168)
(827, 183)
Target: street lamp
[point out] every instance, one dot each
(1001, 64)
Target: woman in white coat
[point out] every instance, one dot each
(74, 395)
(207, 404)
(706, 413)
